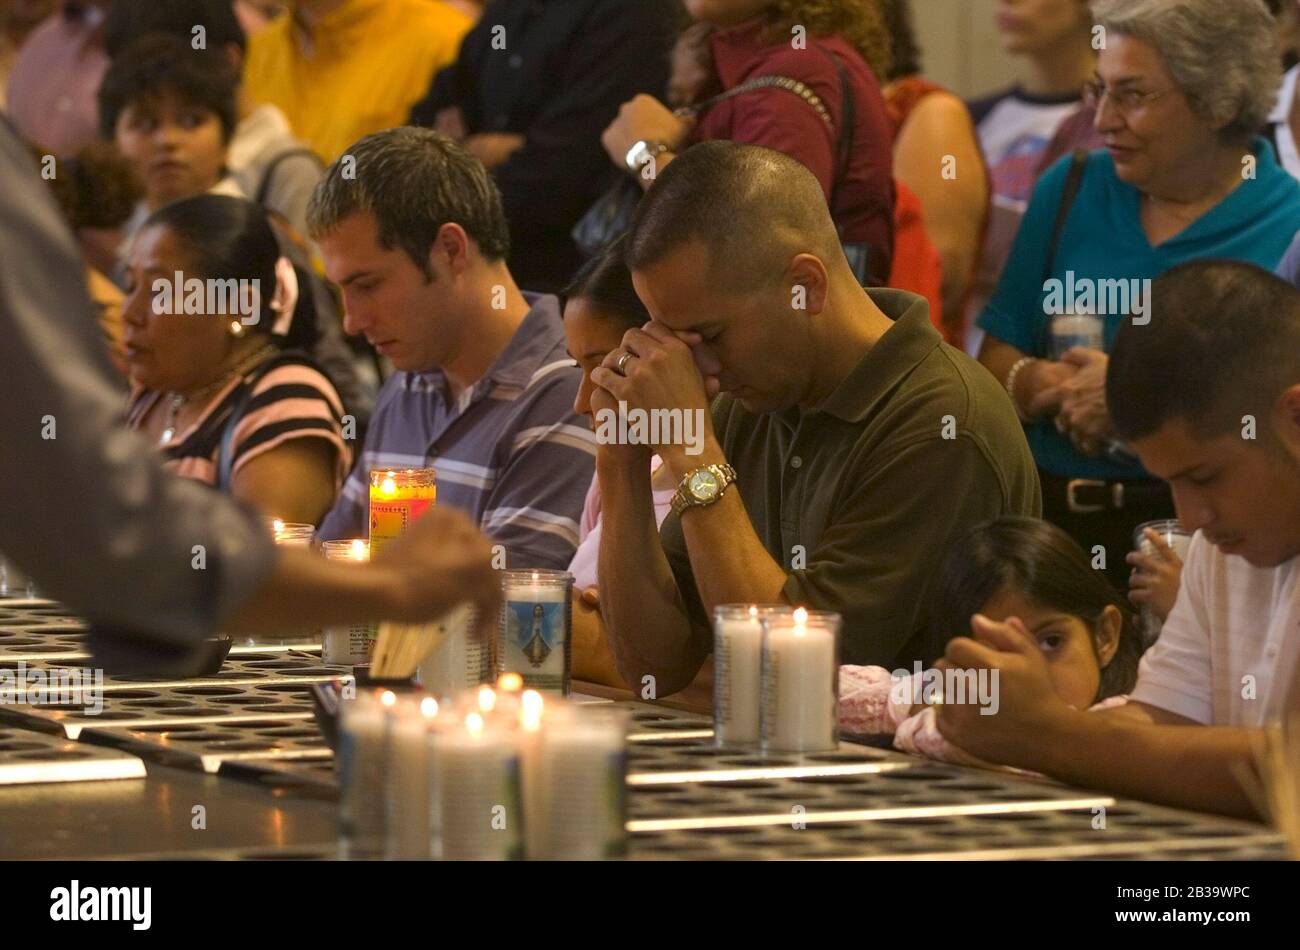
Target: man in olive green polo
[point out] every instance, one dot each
(848, 449)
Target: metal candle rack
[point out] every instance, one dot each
(687, 799)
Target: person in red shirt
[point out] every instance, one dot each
(826, 111)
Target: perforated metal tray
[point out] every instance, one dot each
(28, 757)
(686, 798)
(33, 630)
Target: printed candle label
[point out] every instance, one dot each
(583, 806)
(460, 661)
(348, 646)
(390, 518)
(534, 643)
(736, 659)
(477, 813)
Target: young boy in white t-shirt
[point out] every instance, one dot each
(1208, 392)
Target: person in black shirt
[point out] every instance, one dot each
(535, 85)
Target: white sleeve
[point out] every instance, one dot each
(1175, 673)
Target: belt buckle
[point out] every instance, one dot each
(1077, 507)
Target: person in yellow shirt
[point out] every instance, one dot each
(341, 69)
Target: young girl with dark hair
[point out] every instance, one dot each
(1011, 567)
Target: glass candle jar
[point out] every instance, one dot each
(351, 644)
(398, 497)
(362, 764)
(476, 805)
(533, 637)
(800, 681)
(575, 782)
(737, 671)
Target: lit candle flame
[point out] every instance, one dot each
(800, 619)
(487, 699)
(277, 526)
(388, 697)
(753, 612)
(359, 549)
(530, 710)
(474, 724)
(429, 707)
(510, 682)
(388, 486)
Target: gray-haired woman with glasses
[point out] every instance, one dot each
(1181, 91)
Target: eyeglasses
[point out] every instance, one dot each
(1125, 101)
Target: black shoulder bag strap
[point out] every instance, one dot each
(1073, 182)
(226, 450)
(264, 186)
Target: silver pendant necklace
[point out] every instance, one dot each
(176, 400)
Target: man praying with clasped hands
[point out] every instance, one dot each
(846, 448)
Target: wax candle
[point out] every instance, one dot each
(362, 764)
(407, 816)
(397, 498)
(291, 535)
(799, 682)
(575, 782)
(461, 660)
(533, 637)
(476, 808)
(351, 644)
(737, 663)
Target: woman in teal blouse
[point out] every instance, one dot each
(1182, 88)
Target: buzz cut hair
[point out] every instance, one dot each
(753, 208)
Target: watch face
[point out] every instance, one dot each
(703, 485)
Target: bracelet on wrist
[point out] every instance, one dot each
(1011, 385)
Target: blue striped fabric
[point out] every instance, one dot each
(510, 452)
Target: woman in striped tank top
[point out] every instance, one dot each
(212, 349)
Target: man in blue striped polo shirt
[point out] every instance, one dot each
(412, 231)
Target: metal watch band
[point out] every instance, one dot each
(683, 499)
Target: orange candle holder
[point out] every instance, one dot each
(397, 498)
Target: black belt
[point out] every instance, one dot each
(1092, 495)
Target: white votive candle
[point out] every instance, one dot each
(799, 682)
(737, 663)
(476, 809)
(351, 644)
(576, 783)
(408, 833)
(460, 660)
(362, 762)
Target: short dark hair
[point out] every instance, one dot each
(605, 281)
(129, 20)
(752, 207)
(413, 181)
(159, 63)
(1040, 562)
(1222, 341)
